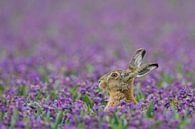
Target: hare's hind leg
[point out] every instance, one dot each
(114, 99)
(129, 94)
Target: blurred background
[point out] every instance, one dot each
(52, 53)
(74, 33)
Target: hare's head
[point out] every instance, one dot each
(119, 79)
(110, 80)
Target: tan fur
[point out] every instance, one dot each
(115, 98)
(129, 94)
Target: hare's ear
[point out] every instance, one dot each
(146, 69)
(137, 58)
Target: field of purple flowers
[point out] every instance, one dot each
(52, 54)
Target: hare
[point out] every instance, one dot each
(119, 83)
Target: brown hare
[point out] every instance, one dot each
(119, 83)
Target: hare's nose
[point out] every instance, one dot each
(99, 81)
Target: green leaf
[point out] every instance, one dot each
(1, 115)
(116, 122)
(165, 79)
(176, 115)
(47, 116)
(183, 123)
(22, 90)
(81, 125)
(140, 95)
(54, 94)
(59, 120)
(173, 104)
(89, 68)
(2, 89)
(44, 73)
(155, 125)
(14, 119)
(74, 93)
(149, 112)
(38, 108)
(39, 95)
(88, 101)
(191, 75)
(179, 68)
(26, 121)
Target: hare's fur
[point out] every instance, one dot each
(119, 83)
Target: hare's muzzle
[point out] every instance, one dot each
(102, 84)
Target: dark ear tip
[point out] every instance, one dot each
(142, 50)
(156, 65)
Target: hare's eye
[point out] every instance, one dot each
(114, 75)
